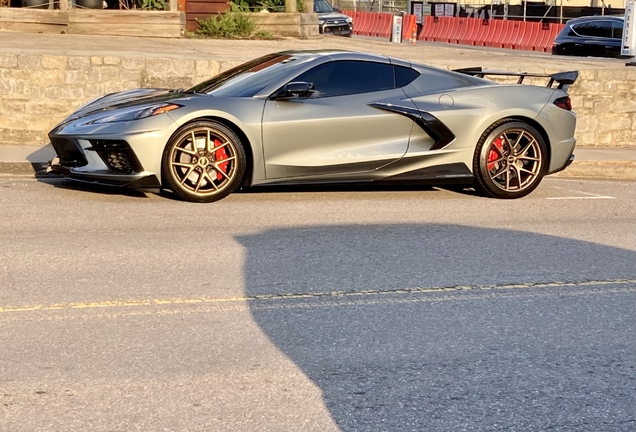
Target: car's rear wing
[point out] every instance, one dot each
(564, 79)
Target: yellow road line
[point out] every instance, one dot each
(287, 296)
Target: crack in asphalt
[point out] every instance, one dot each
(357, 297)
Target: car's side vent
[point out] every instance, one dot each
(117, 155)
(564, 102)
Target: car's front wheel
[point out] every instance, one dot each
(204, 161)
(510, 160)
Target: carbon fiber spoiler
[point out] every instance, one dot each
(564, 79)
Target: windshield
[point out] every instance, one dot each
(250, 78)
(321, 6)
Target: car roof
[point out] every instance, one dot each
(337, 54)
(315, 53)
(596, 18)
(334, 53)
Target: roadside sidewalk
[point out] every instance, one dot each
(611, 163)
(616, 163)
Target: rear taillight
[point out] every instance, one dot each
(564, 102)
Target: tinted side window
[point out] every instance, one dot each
(594, 29)
(348, 77)
(433, 81)
(567, 31)
(617, 30)
(404, 76)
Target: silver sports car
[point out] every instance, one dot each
(301, 117)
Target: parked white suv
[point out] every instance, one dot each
(330, 21)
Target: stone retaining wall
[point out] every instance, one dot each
(37, 91)
(605, 104)
(296, 25)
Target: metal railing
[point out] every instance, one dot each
(551, 11)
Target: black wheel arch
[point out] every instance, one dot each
(532, 123)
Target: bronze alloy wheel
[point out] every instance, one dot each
(510, 160)
(203, 162)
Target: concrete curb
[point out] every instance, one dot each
(31, 169)
(607, 170)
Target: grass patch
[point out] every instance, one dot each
(236, 23)
(264, 35)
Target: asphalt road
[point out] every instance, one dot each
(318, 309)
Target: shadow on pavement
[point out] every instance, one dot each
(557, 358)
(40, 160)
(42, 155)
(338, 187)
(64, 183)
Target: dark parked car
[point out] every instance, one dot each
(331, 21)
(598, 36)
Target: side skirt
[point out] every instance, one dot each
(453, 173)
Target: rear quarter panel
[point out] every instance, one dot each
(469, 112)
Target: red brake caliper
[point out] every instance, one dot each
(220, 154)
(493, 155)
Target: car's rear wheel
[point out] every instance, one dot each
(510, 160)
(204, 161)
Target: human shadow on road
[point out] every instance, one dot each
(342, 302)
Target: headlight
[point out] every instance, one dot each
(321, 22)
(349, 19)
(137, 113)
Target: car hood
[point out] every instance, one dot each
(332, 16)
(127, 99)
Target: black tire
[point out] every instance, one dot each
(204, 161)
(565, 50)
(510, 160)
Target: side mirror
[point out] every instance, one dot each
(294, 90)
(336, 9)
